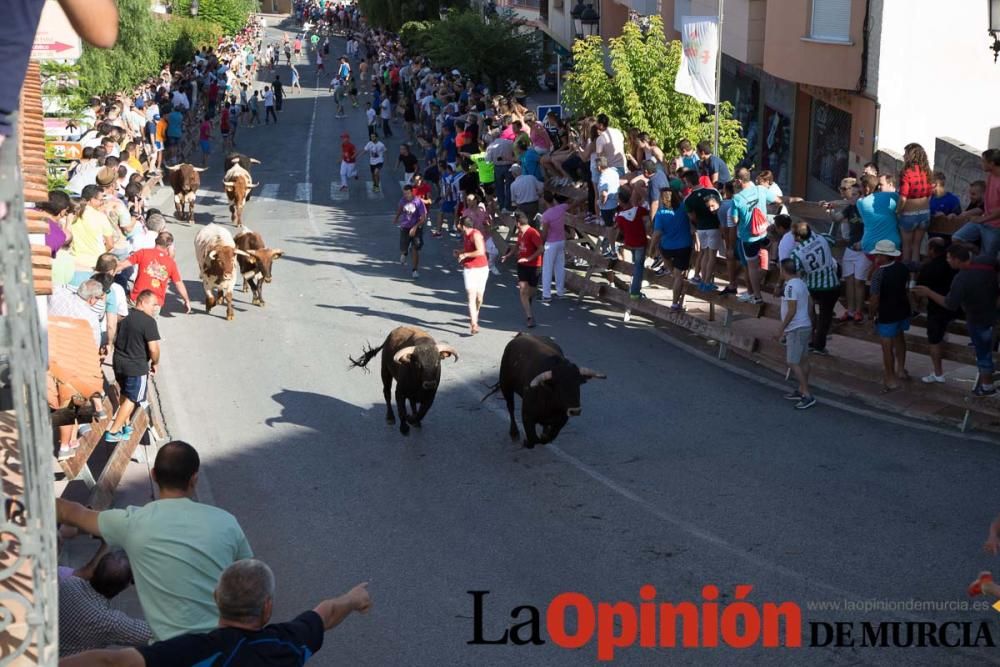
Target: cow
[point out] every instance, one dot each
(255, 263)
(184, 181)
(216, 253)
(413, 359)
(237, 183)
(535, 368)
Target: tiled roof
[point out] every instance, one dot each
(35, 174)
(73, 356)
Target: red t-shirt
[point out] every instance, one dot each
(528, 242)
(469, 245)
(349, 152)
(154, 269)
(422, 191)
(633, 225)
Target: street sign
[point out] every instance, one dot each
(67, 150)
(544, 110)
(55, 38)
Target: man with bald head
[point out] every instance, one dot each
(177, 547)
(245, 597)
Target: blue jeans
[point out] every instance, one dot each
(987, 238)
(639, 260)
(502, 186)
(982, 342)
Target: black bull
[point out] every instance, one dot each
(534, 368)
(413, 359)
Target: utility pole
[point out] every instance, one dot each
(718, 77)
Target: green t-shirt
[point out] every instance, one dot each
(484, 167)
(177, 548)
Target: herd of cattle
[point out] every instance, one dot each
(219, 254)
(533, 367)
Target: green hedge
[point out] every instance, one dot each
(232, 15)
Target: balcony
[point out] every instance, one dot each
(743, 25)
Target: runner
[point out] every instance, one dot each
(475, 271)
(205, 138)
(410, 216)
(348, 160)
(529, 257)
(376, 159)
(296, 86)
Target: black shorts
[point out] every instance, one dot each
(172, 141)
(608, 215)
(132, 387)
(680, 258)
(751, 249)
(375, 167)
(937, 326)
(527, 274)
(405, 240)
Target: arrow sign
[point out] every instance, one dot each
(55, 39)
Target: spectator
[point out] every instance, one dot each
(886, 182)
(525, 191)
(656, 182)
(974, 290)
(855, 265)
(58, 207)
(529, 250)
(92, 233)
(702, 207)
(715, 168)
(610, 143)
(686, 156)
(245, 598)
(501, 153)
(554, 255)
(672, 240)
(890, 310)
(86, 618)
(81, 305)
(608, 184)
(177, 547)
(985, 231)
(137, 353)
(915, 188)
(943, 203)
(475, 268)
(728, 227)
(815, 263)
(878, 214)
(749, 206)
(631, 221)
(155, 269)
(795, 329)
(936, 275)
(786, 239)
(976, 205)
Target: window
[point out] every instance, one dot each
(831, 20)
(829, 147)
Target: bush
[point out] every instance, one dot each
(232, 15)
(414, 35)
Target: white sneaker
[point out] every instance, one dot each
(746, 297)
(931, 379)
(494, 270)
(402, 260)
(416, 274)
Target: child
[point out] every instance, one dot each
(943, 203)
(796, 329)
(449, 198)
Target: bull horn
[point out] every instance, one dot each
(254, 160)
(403, 356)
(591, 373)
(447, 350)
(278, 252)
(200, 169)
(212, 254)
(174, 168)
(253, 185)
(242, 253)
(234, 160)
(540, 378)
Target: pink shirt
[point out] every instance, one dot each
(555, 218)
(991, 198)
(206, 130)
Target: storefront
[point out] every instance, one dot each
(765, 106)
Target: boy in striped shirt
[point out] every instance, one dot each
(814, 261)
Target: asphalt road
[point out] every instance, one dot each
(678, 473)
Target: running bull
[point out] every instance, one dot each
(255, 262)
(238, 183)
(535, 368)
(184, 180)
(413, 359)
(216, 253)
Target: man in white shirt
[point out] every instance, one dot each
(525, 190)
(796, 328)
(179, 100)
(376, 158)
(386, 117)
(500, 153)
(611, 144)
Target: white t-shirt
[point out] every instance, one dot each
(785, 246)
(386, 109)
(776, 191)
(376, 152)
(370, 115)
(269, 99)
(796, 290)
(611, 144)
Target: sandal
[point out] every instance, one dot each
(473, 330)
(976, 587)
(531, 322)
(887, 388)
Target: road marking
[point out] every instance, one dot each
(309, 143)
(303, 191)
(372, 192)
(269, 192)
(336, 194)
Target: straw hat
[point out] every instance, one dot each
(887, 248)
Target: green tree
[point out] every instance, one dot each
(639, 91)
(494, 52)
(392, 14)
(232, 15)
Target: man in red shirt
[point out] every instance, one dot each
(422, 190)
(529, 259)
(155, 269)
(348, 159)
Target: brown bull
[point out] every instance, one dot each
(255, 263)
(238, 184)
(216, 253)
(184, 180)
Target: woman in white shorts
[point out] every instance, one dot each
(475, 268)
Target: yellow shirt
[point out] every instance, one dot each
(133, 161)
(89, 232)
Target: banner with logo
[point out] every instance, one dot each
(696, 74)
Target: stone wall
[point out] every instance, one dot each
(961, 164)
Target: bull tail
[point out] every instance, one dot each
(367, 355)
(493, 389)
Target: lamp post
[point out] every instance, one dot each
(194, 8)
(994, 29)
(577, 15)
(590, 21)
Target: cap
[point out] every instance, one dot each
(139, 103)
(455, 72)
(156, 116)
(106, 176)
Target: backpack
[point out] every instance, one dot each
(758, 220)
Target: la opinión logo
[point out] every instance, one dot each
(707, 623)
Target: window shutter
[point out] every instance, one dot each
(831, 19)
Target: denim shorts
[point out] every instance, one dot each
(914, 220)
(982, 342)
(892, 329)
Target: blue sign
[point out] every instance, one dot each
(545, 110)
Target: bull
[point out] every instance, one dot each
(413, 359)
(184, 181)
(535, 368)
(216, 253)
(255, 262)
(238, 184)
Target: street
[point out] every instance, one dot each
(677, 473)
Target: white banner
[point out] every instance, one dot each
(696, 74)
